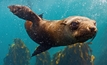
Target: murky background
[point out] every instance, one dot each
(12, 27)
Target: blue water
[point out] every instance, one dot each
(12, 27)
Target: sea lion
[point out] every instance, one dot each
(56, 32)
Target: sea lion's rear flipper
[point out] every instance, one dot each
(24, 13)
(40, 49)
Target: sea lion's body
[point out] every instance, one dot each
(49, 32)
(55, 33)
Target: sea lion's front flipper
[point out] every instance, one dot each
(24, 13)
(40, 49)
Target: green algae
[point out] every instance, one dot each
(18, 54)
(77, 54)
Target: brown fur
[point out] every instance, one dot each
(59, 32)
(55, 33)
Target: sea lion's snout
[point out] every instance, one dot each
(92, 29)
(91, 26)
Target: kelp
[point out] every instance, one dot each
(18, 54)
(77, 54)
(43, 59)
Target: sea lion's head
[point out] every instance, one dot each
(80, 28)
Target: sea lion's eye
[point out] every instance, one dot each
(74, 25)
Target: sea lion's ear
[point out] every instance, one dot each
(24, 13)
(63, 24)
(40, 49)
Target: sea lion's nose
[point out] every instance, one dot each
(92, 29)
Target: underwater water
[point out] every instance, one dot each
(12, 27)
